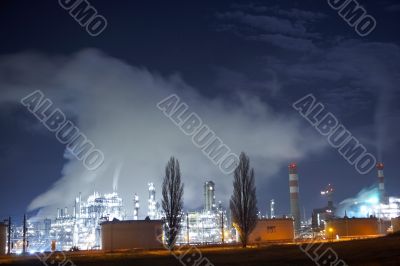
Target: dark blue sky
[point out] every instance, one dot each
(276, 51)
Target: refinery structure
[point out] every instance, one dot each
(380, 205)
(80, 227)
(369, 203)
(209, 225)
(372, 212)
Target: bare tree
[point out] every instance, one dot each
(172, 203)
(243, 203)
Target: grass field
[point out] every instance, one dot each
(378, 251)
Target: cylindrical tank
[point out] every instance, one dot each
(3, 238)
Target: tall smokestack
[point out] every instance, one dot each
(209, 196)
(24, 229)
(381, 180)
(152, 202)
(294, 195)
(135, 207)
(272, 208)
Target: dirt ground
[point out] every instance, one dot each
(378, 251)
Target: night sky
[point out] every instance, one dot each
(239, 65)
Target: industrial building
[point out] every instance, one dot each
(319, 216)
(395, 224)
(355, 227)
(272, 230)
(374, 201)
(207, 226)
(3, 238)
(204, 227)
(81, 227)
(78, 228)
(131, 234)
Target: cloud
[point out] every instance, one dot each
(305, 15)
(286, 42)
(228, 80)
(357, 79)
(285, 29)
(294, 13)
(114, 104)
(393, 8)
(267, 23)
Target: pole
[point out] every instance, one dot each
(24, 236)
(187, 228)
(222, 227)
(9, 236)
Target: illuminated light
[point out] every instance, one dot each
(330, 229)
(373, 200)
(364, 209)
(379, 166)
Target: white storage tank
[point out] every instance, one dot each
(132, 234)
(3, 238)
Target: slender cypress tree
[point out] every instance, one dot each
(243, 203)
(172, 202)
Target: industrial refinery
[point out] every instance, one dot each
(81, 226)
(371, 203)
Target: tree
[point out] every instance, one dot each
(243, 203)
(172, 203)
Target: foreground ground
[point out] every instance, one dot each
(379, 251)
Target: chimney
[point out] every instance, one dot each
(209, 196)
(272, 208)
(381, 180)
(135, 207)
(294, 195)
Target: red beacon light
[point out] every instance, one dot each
(379, 166)
(292, 166)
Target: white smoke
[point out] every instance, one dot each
(117, 174)
(114, 104)
(361, 204)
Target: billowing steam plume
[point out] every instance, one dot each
(114, 104)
